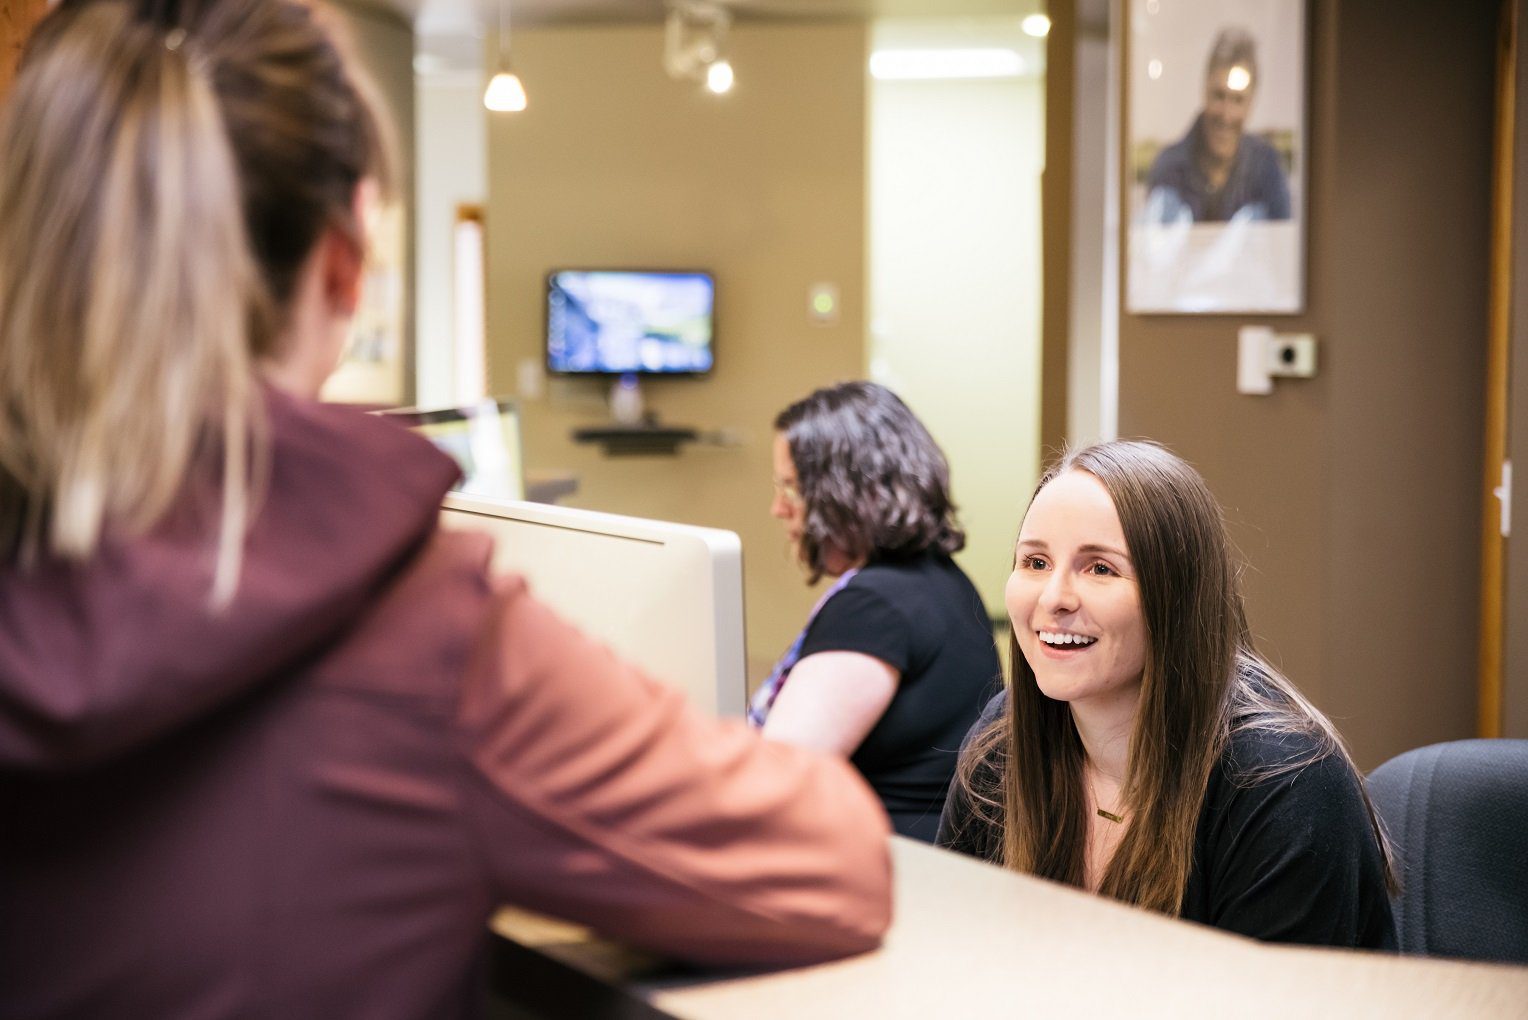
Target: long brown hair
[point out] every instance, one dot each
(1202, 682)
(167, 168)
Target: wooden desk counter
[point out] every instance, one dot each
(972, 940)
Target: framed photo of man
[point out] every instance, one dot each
(1216, 156)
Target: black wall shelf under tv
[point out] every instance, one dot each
(636, 440)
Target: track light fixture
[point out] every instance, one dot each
(694, 43)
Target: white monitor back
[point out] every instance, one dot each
(667, 597)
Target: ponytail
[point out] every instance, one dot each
(126, 294)
(162, 178)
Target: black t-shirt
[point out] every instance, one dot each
(1284, 858)
(923, 617)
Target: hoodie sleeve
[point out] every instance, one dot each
(602, 797)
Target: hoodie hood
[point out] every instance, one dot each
(103, 657)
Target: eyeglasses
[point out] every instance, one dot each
(786, 489)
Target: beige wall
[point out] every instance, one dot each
(1354, 494)
(452, 170)
(614, 164)
(955, 288)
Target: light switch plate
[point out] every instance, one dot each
(1252, 376)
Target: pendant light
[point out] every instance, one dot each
(504, 94)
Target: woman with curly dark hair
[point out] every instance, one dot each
(897, 657)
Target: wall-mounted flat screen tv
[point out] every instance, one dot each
(622, 321)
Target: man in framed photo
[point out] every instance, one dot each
(1217, 172)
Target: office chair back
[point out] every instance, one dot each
(1458, 814)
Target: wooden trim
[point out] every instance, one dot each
(1492, 544)
(16, 20)
(1056, 226)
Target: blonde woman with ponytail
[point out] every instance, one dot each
(1143, 750)
(271, 743)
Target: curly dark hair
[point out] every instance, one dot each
(875, 484)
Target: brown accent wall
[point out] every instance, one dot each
(1354, 495)
(16, 20)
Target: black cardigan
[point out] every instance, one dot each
(1291, 858)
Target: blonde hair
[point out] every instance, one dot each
(164, 175)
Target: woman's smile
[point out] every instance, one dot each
(1073, 598)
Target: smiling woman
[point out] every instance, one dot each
(1073, 597)
(1144, 750)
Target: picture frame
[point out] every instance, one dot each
(1216, 157)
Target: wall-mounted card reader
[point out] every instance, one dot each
(1262, 354)
(822, 304)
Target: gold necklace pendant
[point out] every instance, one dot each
(1117, 819)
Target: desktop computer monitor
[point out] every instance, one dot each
(484, 440)
(667, 597)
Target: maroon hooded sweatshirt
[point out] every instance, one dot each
(308, 804)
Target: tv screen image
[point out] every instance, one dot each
(616, 322)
